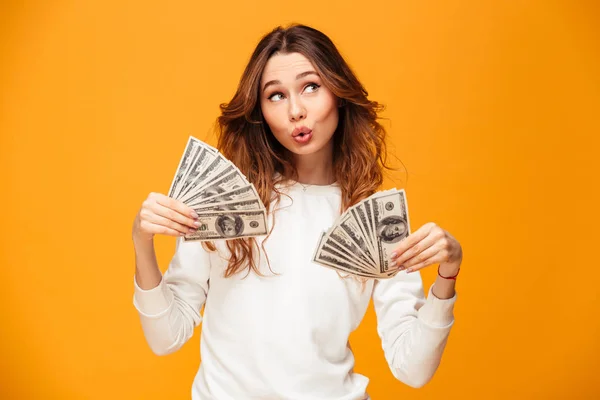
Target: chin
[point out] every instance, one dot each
(308, 149)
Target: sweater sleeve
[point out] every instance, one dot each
(170, 312)
(413, 329)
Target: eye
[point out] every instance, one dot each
(274, 97)
(314, 87)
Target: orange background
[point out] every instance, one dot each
(493, 110)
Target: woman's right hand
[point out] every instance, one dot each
(163, 215)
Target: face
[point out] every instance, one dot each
(228, 227)
(301, 112)
(394, 230)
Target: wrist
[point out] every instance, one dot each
(139, 238)
(449, 271)
(142, 242)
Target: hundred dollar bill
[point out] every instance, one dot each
(217, 164)
(219, 167)
(229, 225)
(338, 263)
(190, 165)
(252, 204)
(202, 158)
(369, 214)
(361, 211)
(326, 257)
(329, 246)
(184, 163)
(340, 237)
(360, 216)
(201, 151)
(216, 176)
(247, 192)
(391, 222)
(231, 181)
(350, 226)
(331, 261)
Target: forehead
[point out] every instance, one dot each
(285, 67)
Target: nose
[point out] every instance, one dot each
(297, 111)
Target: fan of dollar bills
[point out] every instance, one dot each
(363, 237)
(228, 206)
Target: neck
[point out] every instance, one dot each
(316, 168)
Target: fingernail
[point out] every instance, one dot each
(394, 254)
(192, 230)
(408, 271)
(392, 264)
(197, 223)
(194, 214)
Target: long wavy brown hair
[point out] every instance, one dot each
(359, 154)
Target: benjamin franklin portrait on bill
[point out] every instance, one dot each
(229, 225)
(392, 229)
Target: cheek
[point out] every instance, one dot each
(326, 110)
(275, 117)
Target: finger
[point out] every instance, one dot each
(426, 254)
(173, 215)
(168, 223)
(433, 260)
(156, 229)
(412, 239)
(416, 249)
(177, 206)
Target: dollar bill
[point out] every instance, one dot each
(341, 264)
(229, 225)
(227, 204)
(247, 192)
(391, 224)
(369, 214)
(361, 212)
(360, 217)
(184, 163)
(363, 237)
(338, 263)
(198, 165)
(332, 247)
(216, 176)
(219, 167)
(190, 165)
(216, 165)
(340, 237)
(230, 181)
(252, 204)
(350, 226)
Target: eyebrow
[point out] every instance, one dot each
(299, 76)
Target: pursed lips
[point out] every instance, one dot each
(301, 130)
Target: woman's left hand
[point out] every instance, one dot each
(428, 245)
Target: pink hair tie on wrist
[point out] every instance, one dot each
(449, 277)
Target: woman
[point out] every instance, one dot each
(275, 324)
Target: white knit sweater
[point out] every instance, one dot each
(285, 336)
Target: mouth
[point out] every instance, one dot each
(301, 130)
(302, 134)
